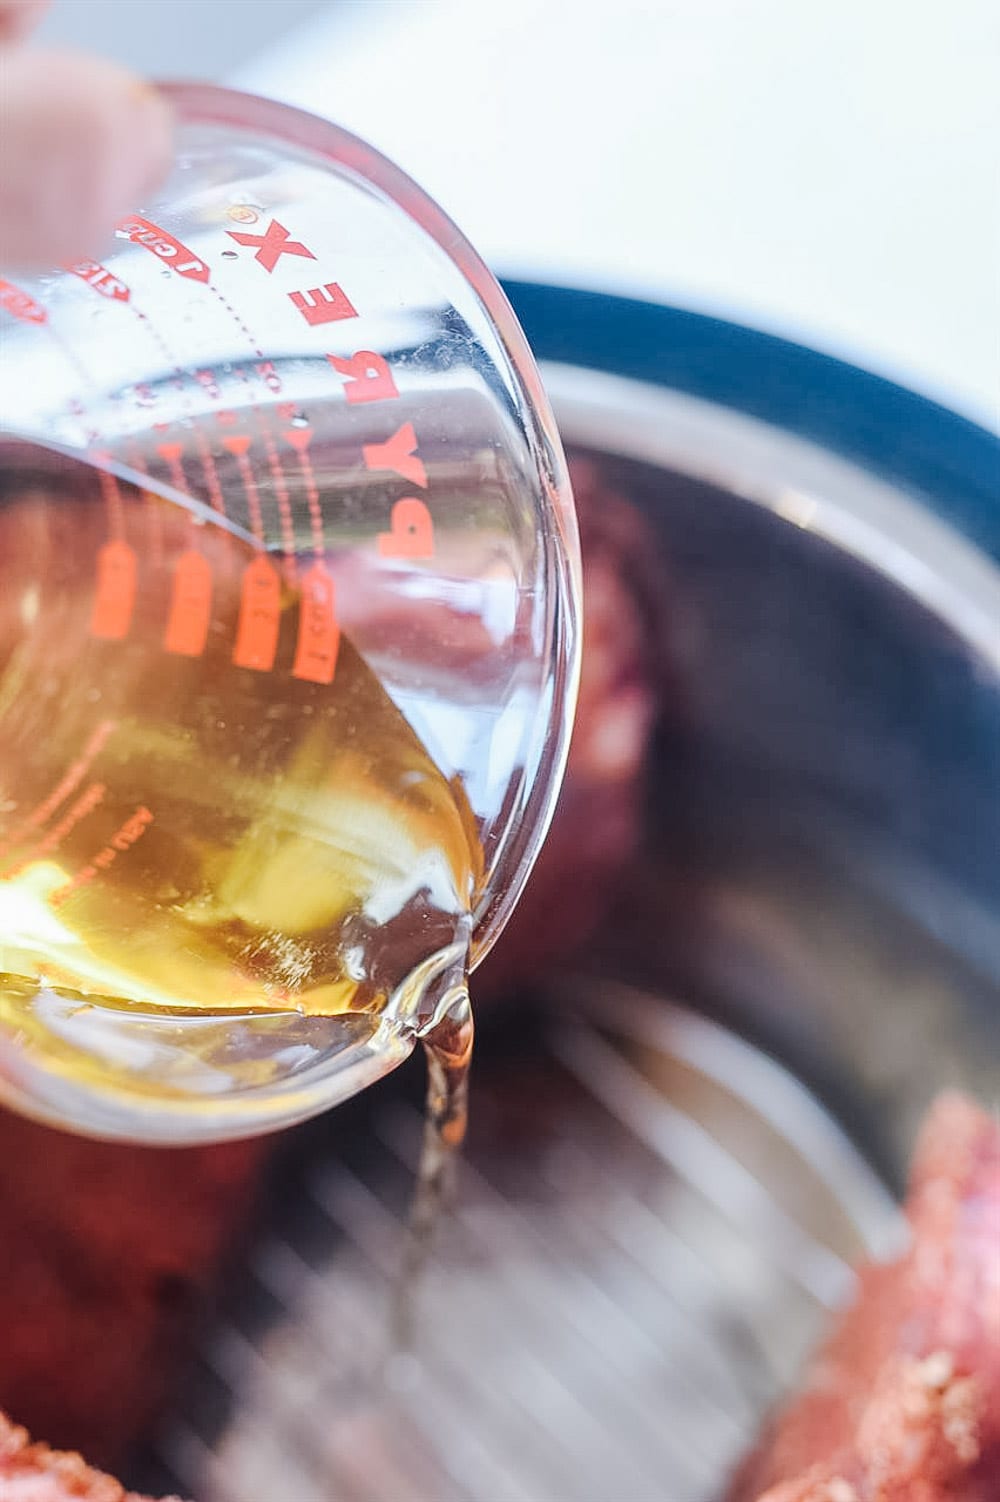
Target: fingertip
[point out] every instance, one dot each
(18, 17)
(83, 143)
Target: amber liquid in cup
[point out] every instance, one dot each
(183, 836)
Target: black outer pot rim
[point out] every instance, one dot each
(894, 433)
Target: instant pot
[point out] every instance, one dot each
(686, 1133)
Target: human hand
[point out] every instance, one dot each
(81, 143)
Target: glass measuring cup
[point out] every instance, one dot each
(288, 645)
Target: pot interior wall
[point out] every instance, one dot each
(682, 1140)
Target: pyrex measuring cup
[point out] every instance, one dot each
(288, 640)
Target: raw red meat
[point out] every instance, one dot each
(105, 1250)
(903, 1403)
(34, 1473)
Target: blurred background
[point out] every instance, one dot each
(825, 172)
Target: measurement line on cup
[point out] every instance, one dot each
(265, 370)
(299, 439)
(117, 565)
(205, 455)
(238, 445)
(151, 506)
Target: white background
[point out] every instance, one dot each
(824, 169)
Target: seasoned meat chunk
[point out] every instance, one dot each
(903, 1402)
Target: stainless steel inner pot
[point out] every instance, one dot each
(680, 1146)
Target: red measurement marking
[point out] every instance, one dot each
(111, 493)
(123, 839)
(154, 525)
(100, 279)
(173, 254)
(151, 505)
(209, 382)
(284, 500)
(278, 476)
(20, 304)
(210, 472)
(398, 453)
(83, 375)
(271, 245)
(319, 635)
(260, 616)
(412, 531)
(237, 320)
(267, 373)
(237, 444)
(176, 373)
(67, 784)
(300, 439)
(327, 304)
(206, 379)
(114, 600)
(170, 453)
(84, 805)
(272, 380)
(190, 606)
(369, 378)
(131, 829)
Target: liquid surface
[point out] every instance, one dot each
(185, 838)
